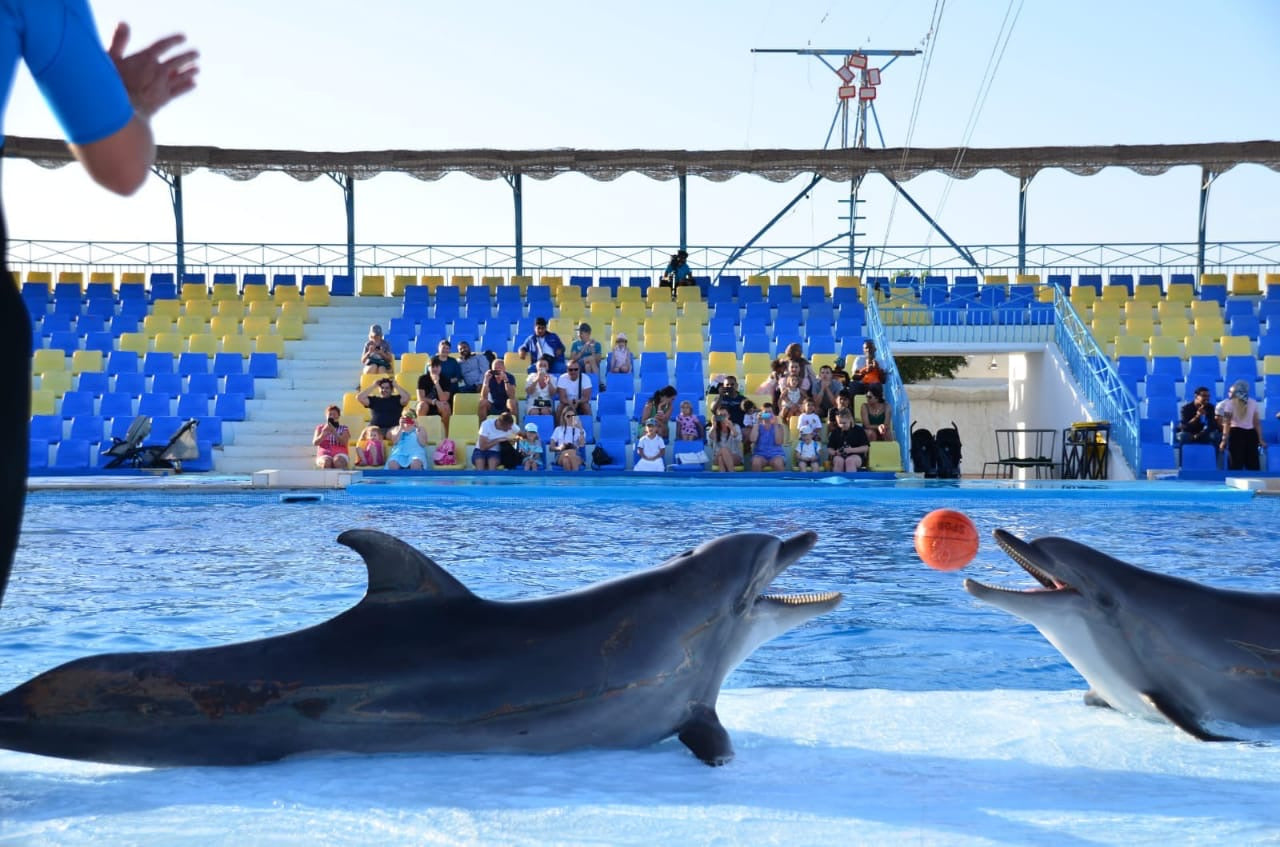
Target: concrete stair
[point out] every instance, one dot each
(317, 371)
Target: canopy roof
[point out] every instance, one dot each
(716, 165)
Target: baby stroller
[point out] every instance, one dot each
(129, 452)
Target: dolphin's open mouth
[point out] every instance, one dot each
(1023, 553)
(788, 553)
(807, 599)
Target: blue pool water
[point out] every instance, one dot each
(911, 714)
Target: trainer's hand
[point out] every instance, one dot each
(150, 79)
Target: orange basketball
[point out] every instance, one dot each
(946, 540)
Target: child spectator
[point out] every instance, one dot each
(844, 403)
(749, 417)
(531, 448)
(689, 427)
(371, 452)
(810, 418)
(806, 453)
(650, 449)
(620, 358)
(791, 397)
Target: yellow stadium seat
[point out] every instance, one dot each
(696, 312)
(599, 294)
(1116, 293)
(723, 362)
(632, 310)
(373, 285)
(493, 283)
(193, 291)
(316, 295)
(1139, 309)
(263, 309)
(224, 291)
(515, 365)
(76, 277)
(431, 281)
(400, 282)
(47, 360)
(254, 293)
(1105, 309)
(56, 382)
(1148, 294)
(241, 344)
(1082, 298)
(552, 282)
(1164, 345)
(662, 310)
(294, 311)
(267, 343)
(1213, 279)
(1245, 285)
(40, 276)
(170, 309)
(1104, 327)
(203, 342)
(996, 279)
(131, 277)
(758, 280)
(1141, 327)
(602, 312)
(522, 281)
(1171, 308)
(290, 329)
(414, 363)
(750, 384)
(1271, 365)
(1131, 345)
(847, 281)
(1199, 345)
(791, 281)
(885, 456)
(757, 362)
(1236, 345)
(1027, 279)
(462, 282)
(169, 342)
(136, 342)
(286, 294)
(43, 403)
(202, 309)
(220, 325)
(818, 281)
(687, 294)
(230, 309)
(102, 276)
(690, 342)
(1202, 308)
(408, 380)
(352, 408)
(627, 294)
(256, 325)
(1272, 280)
(658, 339)
(1180, 292)
(191, 325)
(1210, 326)
(1177, 326)
(466, 404)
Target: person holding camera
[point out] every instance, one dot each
(377, 357)
(408, 445)
(567, 441)
(677, 272)
(331, 440)
(1199, 422)
(729, 400)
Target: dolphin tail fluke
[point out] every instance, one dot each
(1179, 717)
(703, 734)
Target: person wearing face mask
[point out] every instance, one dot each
(1241, 429)
(771, 435)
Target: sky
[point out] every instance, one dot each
(682, 75)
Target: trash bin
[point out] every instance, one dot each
(1086, 450)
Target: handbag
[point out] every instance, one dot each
(600, 457)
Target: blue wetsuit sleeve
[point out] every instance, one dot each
(73, 71)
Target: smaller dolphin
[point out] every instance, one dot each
(422, 664)
(1148, 644)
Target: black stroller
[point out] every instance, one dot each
(130, 452)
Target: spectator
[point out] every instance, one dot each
(472, 366)
(724, 443)
(810, 418)
(498, 391)
(567, 441)
(449, 368)
(729, 400)
(769, 442)
(1199, 421)
(377, 357)
(840, 377)
(543, 343)
(825, 391)
(371, 451)
(331, 440)
(659, 407)
(531, 448)
(496, 434)
(844, 403)
(877, 415)
(620, 359)
(573, 391)
(1241, 429)
(540, 391)
(867, 369)
(408, 445)
(792, 397)
(650, 448)
(689, 427)
(807, 455)
(435, 390)
(749, 418)
(585, 351)
(794, 355)
(847, 446)
(677, 273)
(385, 406)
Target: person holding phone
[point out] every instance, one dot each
(331, 440)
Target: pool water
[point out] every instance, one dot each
(144, 571)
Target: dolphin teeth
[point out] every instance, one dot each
(801, 599)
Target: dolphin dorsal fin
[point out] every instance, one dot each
(396, 569)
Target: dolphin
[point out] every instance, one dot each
(1148, 644)
(423, 664)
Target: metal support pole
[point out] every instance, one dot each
(684, 212)
(517, 196)
(347, 183)
(964, 254)
(1023, 182)
(1207, 176)
(737, 253)
(173, 179)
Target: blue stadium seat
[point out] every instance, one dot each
(206, 384)
(230, 407)
(1156, 455)
(77, 403)
(193, 405)
(228, 363)
(155, 405)
(37, 455)
(694, 449)
(48, 428)
(157, 363)
(103, 341)
(116, 405)
(263, 365)
(616, 428)
(342, 285)
(192, 363)
(239, 384)
(87, 428)
(1093, 281)
(1199, 457)
(72, 454)
(210, 429)
(133, 384)
(170, 384)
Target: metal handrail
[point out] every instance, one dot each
(895, 389)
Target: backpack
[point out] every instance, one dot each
(445, 452)
(924, 452)
(948, 444)
(600, 457)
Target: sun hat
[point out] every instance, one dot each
(806, 430)
(651, 422)
(531, 427)
(622, 336)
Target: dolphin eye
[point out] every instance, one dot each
(1106, 601)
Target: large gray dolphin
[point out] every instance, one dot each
(1148, 644)
(422, 664)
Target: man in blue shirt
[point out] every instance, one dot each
(543, 343)
(677, 272)
(104, 101)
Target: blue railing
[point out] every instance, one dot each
(895, 390)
